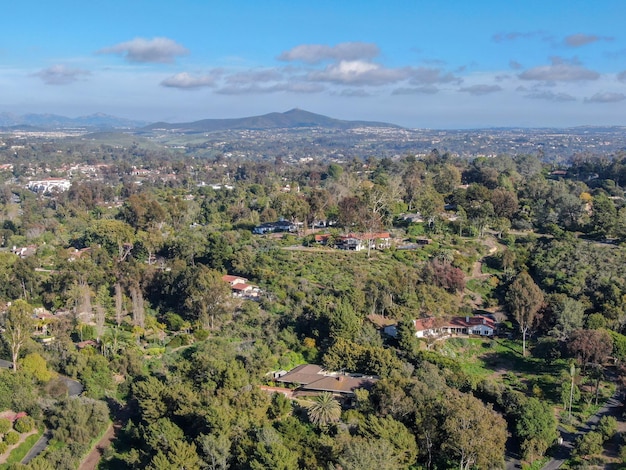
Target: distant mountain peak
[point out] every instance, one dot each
(292, 119)
(55, 121)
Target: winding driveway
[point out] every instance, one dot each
(74, 388)
(613, 407)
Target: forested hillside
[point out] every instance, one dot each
(153, 282)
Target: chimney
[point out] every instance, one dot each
(484, 320)
(467, 319)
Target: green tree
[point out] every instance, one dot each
(270, 452)
(362, 453)
(404, 446)
(18, 326)
(475, 434)
(116, 236)
(324, 410)
(590, 346)
(607, 427)
(523, 299)
(181, 456)
(216, 450)
(568, 313)
(588, 444)
(36, 365)
(536, 427)
(604, 216)
(207, 295)
(5, 425)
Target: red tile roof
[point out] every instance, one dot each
(456, 322)
(230, 278)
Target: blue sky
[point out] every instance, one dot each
(430, 64)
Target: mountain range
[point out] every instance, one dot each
(55, 121)
(293, 119)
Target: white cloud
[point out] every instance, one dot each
(358, 72)
(481, 89)
(254, 76)
(355, 93)
(288, 87)
(580, 39)
(515, 35)
(316, 53)
(550, 96)
(606, 97)
(422, 90)
(60, 75)
(560, 70)
(187, 81)
(141, 50)
(430, 76)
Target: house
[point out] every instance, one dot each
(322, 238)
(49, 184)
(24, 251)
(431, 327)
(240, 288)
(354, 242)
(313, 379)
(278, 226)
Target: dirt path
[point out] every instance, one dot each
(93, 458)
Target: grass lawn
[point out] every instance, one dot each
(20, 451)
(502, 358)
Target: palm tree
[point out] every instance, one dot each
(324, 410)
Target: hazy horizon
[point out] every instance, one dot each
(458, 65)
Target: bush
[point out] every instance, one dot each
(24, 424)
(3, 447)
(200, 335)
(180, 340)
(607, 427)
(588, 444)
(5, 425)
(11, 438)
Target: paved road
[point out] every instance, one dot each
(38, 448)
(613, 407)
(74, 388)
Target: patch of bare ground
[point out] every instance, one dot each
(93, 458)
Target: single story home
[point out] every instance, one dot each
(312, 378)
(431, 327)
(278, 226)
(357, 242)
(240, 288)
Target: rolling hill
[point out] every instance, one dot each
(295, 118)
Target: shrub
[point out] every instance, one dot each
(3, 447)
(179, 340)
(5, 425)
(588, 444)
(24, 424)
(607, 427)
(200, 335)
(11, 438)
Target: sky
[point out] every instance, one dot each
(446, 64)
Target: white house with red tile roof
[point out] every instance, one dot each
(431, 327)
(240, 287)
